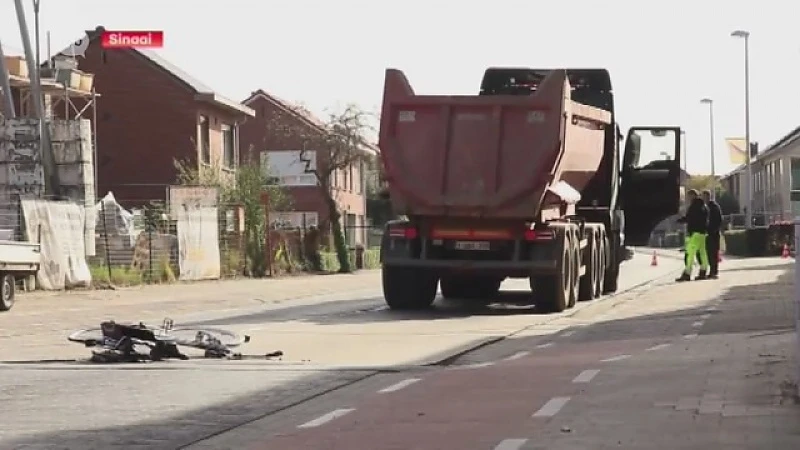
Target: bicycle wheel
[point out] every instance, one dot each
(96, 334)
(89, 334)
(192, 336)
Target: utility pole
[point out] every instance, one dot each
(745, 35)
(710, 104)
(52, 182)
(5, 84)
(36, 30)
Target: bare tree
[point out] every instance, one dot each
(338, 143)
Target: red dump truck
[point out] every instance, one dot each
(528, 179)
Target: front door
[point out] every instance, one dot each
(651, 180)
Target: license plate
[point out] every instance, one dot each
(472, 245)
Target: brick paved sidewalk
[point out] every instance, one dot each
(40, 320)
(730, 384)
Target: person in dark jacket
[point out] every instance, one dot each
(713, 235)
(696, 220)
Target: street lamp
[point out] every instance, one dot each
(746, 36)
(710, 103)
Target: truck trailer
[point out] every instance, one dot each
(527, 179)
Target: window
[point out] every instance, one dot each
(229, 146)
(286, 168)
(205, 140)
(794, 183)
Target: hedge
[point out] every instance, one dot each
(760, 241)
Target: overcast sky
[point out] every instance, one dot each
(663, 57)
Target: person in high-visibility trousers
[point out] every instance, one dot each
(713, 233)
(696, 220)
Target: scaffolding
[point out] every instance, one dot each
(62, 99)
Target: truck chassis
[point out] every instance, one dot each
(565, 261)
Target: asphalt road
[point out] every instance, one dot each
(334, 343)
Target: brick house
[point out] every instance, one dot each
(152, 113)
(283, 149)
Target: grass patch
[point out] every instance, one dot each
(120, 276)
(371, 260)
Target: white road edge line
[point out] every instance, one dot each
(511, 444)
(478, 365)
(397, 386)
(586, 376)
(552, 407)
(658, 347)
(698, 324)
(518, 355)
(325, 418)
(568, 334)
(615, 358)
(690, 336)
(545, 345)
(705, 316)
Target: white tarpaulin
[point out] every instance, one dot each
(61, 227)
(198, 242)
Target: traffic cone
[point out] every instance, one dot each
(785, 253)
(654, 261)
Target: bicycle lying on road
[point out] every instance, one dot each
(116, 342)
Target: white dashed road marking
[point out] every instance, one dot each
(615, 358)
(690, 336)
(658, 347)
(511, 444)
(552, 407)
(586, 376)
(568, 334)
(545, 345)
(697, 324)
(397, 386)
(518, 355)
(705, 316)
(325, 418)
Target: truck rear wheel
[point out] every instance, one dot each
(611, 281)
(7, 291)
(408, 288)
(588, 283)
(469, 288)
(552, 292)
(601, 264)
(575, 264)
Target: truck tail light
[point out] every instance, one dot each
(403, 231)
(543, 235)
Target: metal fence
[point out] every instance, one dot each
(140, 244)
(760, 219)
(136, 241)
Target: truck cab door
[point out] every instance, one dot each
(650, 175)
